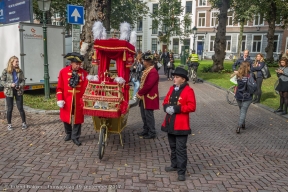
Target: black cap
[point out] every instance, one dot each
(181, 72)
(74, 57)
(147, 56)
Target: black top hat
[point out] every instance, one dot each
(74, 57)
(181, 72)
(147, 56)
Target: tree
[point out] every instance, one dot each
(243, 12)
(272, 11)
(220, 39)
(118, 11)
(94, 11)
(167, 18)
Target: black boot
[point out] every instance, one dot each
(238, 130)
(280, 109)
(284, 111)
(243, 126)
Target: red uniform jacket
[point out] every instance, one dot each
(68, 94)
(148, 91)
(183, 102)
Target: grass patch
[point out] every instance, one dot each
(35, 99)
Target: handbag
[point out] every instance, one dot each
(159, 65)
(234, 80)
(266, 72)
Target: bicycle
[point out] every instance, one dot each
(192, 73)
(230, 95)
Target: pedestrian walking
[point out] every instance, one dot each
(256, 68)
(149, 96)
(72, 82)
(282, 87)
(170, 67)
(243, 97)
(178, 103)
(165, 57)
(136, 72)
(13, 81)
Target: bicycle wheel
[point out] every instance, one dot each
(102, 141)
(230, 96)
(194, 76)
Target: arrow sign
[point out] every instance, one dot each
(75, 14)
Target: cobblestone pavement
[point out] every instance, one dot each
(38, 159)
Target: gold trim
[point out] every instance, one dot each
(74, 57)
(69, 73)
(73, 91)
(144, 76)
(58, 92)
(152, 97)
(113, 48)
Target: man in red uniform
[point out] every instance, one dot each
(71, 86)
(149, 96)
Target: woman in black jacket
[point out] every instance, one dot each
(242, 96)
(256, 67)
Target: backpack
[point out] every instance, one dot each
(251, 85)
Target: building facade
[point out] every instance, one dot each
(254, 37)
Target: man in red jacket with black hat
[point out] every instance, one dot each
(149, 96)
(72, 83)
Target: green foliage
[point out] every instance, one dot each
(167, 18)
(207, 69)
(127, 10)
(36, 99)
(271, 64)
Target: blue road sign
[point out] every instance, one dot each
(75, 14)
(12, 11)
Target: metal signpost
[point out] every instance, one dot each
(75, 16)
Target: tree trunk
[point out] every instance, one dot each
(240, 38)
(220, 40)
(93, 12)
(271, 32)
(106, 22)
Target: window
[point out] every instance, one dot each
(57, 15)
(155, 8)
(257, 39)
(176, 46)
(201, 19)
(188, 7)
(275, 44)
(139, 24)
(177, 27)
(186, 42)
(243, 45)
(229, 19)
(139, 42)
(214, 18)
(258, 20)
(211, 43)
(154, 45)
(200, 37)
(154, 30)
(164, 28)
(228, 43)
(202, 2)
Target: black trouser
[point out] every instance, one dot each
(165, 67)
(19, 103)
(75, 132)
(148, 119)
(178, 152)
(258, 93)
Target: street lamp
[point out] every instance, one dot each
(203, 44)
(44, 5)
(195, 35)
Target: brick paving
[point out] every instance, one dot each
(38, 159)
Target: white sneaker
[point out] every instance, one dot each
(9, 126)
(24, 126)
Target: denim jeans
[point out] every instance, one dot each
(19, 104)
(243, 106)
(136, 86)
